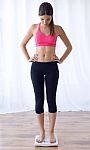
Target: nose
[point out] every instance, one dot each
(44, 21)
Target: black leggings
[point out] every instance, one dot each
(48, 72)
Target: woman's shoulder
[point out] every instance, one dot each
(57, 26)
(58, 29)
(33, 28)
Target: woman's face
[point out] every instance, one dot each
(45, 19)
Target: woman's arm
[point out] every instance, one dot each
(27, 37)
(67, 43)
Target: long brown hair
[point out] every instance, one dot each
(47, 9)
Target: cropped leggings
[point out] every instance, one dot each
(47, 72)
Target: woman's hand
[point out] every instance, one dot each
(34, 58)
(55, 58)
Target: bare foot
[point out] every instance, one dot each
(52, 138)
(40, 138)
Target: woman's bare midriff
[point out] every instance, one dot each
(45, 53)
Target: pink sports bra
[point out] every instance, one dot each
(44, 40)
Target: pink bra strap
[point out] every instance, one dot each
(39, 26)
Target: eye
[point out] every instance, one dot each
(48, 19)
(42, 19)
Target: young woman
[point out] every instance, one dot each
(44, 65)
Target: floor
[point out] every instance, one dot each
(18, 130)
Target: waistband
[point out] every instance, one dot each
(47, 62)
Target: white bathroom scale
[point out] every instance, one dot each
(46, 142)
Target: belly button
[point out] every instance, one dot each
(44, 55)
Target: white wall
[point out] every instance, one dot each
(16, 90)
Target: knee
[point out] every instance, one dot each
(39, 108)
(52, 108)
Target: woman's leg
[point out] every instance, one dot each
(52, 120)
(51, 80)
(38, 85)
(40, 118)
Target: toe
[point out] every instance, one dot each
(39, 139)
(52, 140)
